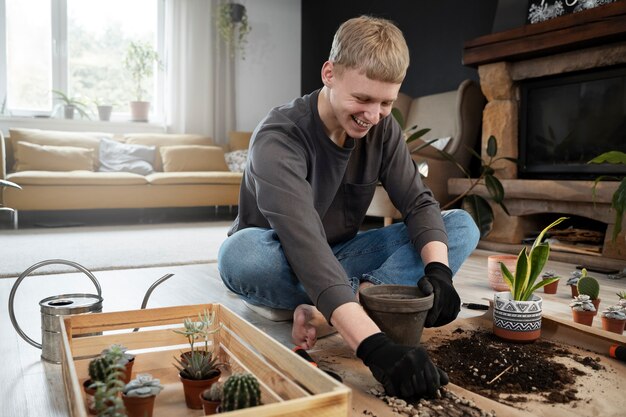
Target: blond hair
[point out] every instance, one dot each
(372, 45)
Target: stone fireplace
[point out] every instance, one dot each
(593, 39)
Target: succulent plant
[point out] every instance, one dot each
(621, 295)
(198, 365)
(241, 390)
(144, 385)
(574, 277)
(588, 286)
(549, 274)
(119, 350)
(106, 372)
(110, 361)
(201, 329)
(214, 393)
(582, 302)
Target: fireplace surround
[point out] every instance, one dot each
(583, 42)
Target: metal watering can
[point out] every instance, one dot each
(62, 305)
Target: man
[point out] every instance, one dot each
(312, 170)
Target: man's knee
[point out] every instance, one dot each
(462, 227)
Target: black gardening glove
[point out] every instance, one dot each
(404, 371)
(447, 304)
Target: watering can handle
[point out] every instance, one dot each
(26, 273)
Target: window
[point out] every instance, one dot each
(74, 46)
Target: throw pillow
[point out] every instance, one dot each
(122, 157)
(33, 157)
(192, 158)
(236, 160)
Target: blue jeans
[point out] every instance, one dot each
(252, 263)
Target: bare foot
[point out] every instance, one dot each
(308, 325)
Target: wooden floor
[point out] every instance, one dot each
(31, 387)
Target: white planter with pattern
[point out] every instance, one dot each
(517, 321)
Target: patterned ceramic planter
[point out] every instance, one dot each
(516, 321)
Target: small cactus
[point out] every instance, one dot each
(144, 385)
(589, 286)
(99, 368)
(215, 393)
(240, 391)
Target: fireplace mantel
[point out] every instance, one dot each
(594, 38)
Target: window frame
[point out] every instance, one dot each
(58, 50)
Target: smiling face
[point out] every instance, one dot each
(351, 103)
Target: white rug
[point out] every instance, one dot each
(111, 247)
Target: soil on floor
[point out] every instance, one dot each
(509, 372)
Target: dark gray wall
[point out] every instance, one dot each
(435, 31)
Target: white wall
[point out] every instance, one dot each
(270, 74)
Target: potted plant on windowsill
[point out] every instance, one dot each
(517, 313)
(139, 395)
(71, 105)
(233, 26)
(139, 63)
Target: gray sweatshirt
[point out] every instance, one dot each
(314, 193)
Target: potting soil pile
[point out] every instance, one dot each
(509, 372)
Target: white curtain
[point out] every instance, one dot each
(199, 85)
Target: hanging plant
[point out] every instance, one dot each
(233, 27)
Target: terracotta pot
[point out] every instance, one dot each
(613, 325)
(399, 310)
(209, 407)
(90, 401)
(574, 289)
(495, 273)
(584, 317)
(551, 288)
(139, 406)
(596, 304)
(517, 321)
(193, 389)
(128, 371)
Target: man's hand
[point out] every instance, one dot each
(447, 304)
(404, 371)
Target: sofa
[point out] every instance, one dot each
(90, 170)
(455, 118)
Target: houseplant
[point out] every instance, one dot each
(211, 398)
(126, 360)
(517, 313)
(198, 369)
(553, 286)
(590, 286)
(139, 62)
(572, 281)
(241, 390)
(583, 309)
(71, 105)
(106, 384)
(233, 27)
(618, 201)
(139, 394)
(614, 318)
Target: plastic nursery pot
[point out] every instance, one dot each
(584, 317)
(516, 321)
(399, 310)
(193, 388)
(139, 406)
(209, 407)
(551, 288)
(613, 325)
(495, 273)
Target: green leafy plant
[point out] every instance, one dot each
(139, 62)
(233, 27)
(241, 390)
(144, 385)
(529, 265)
(618, 201)
(106, 374)
(198, 365)
(81, 107)
(621, 295)
(588, 286)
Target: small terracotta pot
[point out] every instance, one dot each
(584, 317)
(139, 406)
(596, 304)
(209, 407)
(495, 273)
(613, 325)
(128, 371)
(551, 288)
(90, 401)
(574, 289)
(193, 388)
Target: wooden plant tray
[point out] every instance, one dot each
(290, 386)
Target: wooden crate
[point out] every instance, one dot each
(290, 386)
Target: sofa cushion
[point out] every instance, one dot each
(33, 157)
(236, 160)
(165, 139)
(206, 177)
(90, 140)
(123, 157)
(26, 178)
(193, 158)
